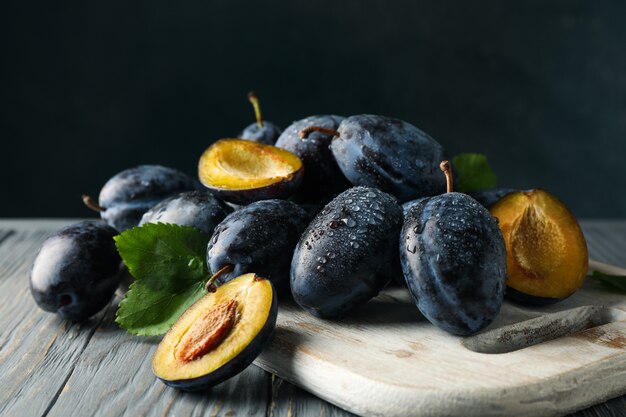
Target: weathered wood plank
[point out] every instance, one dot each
(38, 351)
(606, 241)
(113, 377)
(288, 400)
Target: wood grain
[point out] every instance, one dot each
(48, 367)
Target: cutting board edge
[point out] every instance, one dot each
(571, 391)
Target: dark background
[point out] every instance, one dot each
(90, 88)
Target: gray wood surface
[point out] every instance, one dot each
(49, 367)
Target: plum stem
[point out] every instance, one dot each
(447, 170)
(304, 133)
(254, 100)
(210, 286)
(90, 203)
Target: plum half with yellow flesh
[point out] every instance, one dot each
(218, 336)
(242, 172)
(547, 255)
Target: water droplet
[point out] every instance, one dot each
(411, 249)
(349, 201)
(323, 260)
(361, 230)
(352, 237)
(371, 194)
(320, 268)
(331, 233)
(355, 245)
(331, 255)
(356, 208)
(333, 224)
(349, 221)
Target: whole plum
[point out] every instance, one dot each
(258, 238)
(260, 131)
(129, 194)
(454, 261)
(77, 270)
(389, 154)
(322, 176)
(199, 209)
(348, 253)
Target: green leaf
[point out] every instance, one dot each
(147, 312)
(473, 172)
(617, 282)
(168, 264)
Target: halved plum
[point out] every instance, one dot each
(218, 336)
(547, 255)
(242, 172)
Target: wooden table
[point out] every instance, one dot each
(49, 367)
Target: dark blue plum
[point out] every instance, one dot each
(490, 196)
(258, 238)
(389, 154)
(261, 131)
(348, 253)
(77, 270)
(129, 194)
(268, 133)
(406, 207)
(322, 176)
(199, 209)
(454, 262)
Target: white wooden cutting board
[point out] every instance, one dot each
(385, 359)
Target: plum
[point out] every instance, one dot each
(348, 253)
(454, 261)
(260, 238)
(322, 176)
(129, 194)
(389, 154)
(218, 336)
(547, 258)
(490, 196)
(76, 270)
(199, 209)
(241, 172)
(261, 131)
(406, 207)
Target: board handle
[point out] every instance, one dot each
(605, 268)
(586, 319)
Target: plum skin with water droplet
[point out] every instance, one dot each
(129, 194)
(322, 176)
(454, 262)
(76, 270)
(199, 209)
(258, 238)
(389, 154)
(332, 273)
(268, 134)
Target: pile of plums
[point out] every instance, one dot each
(330, 211)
